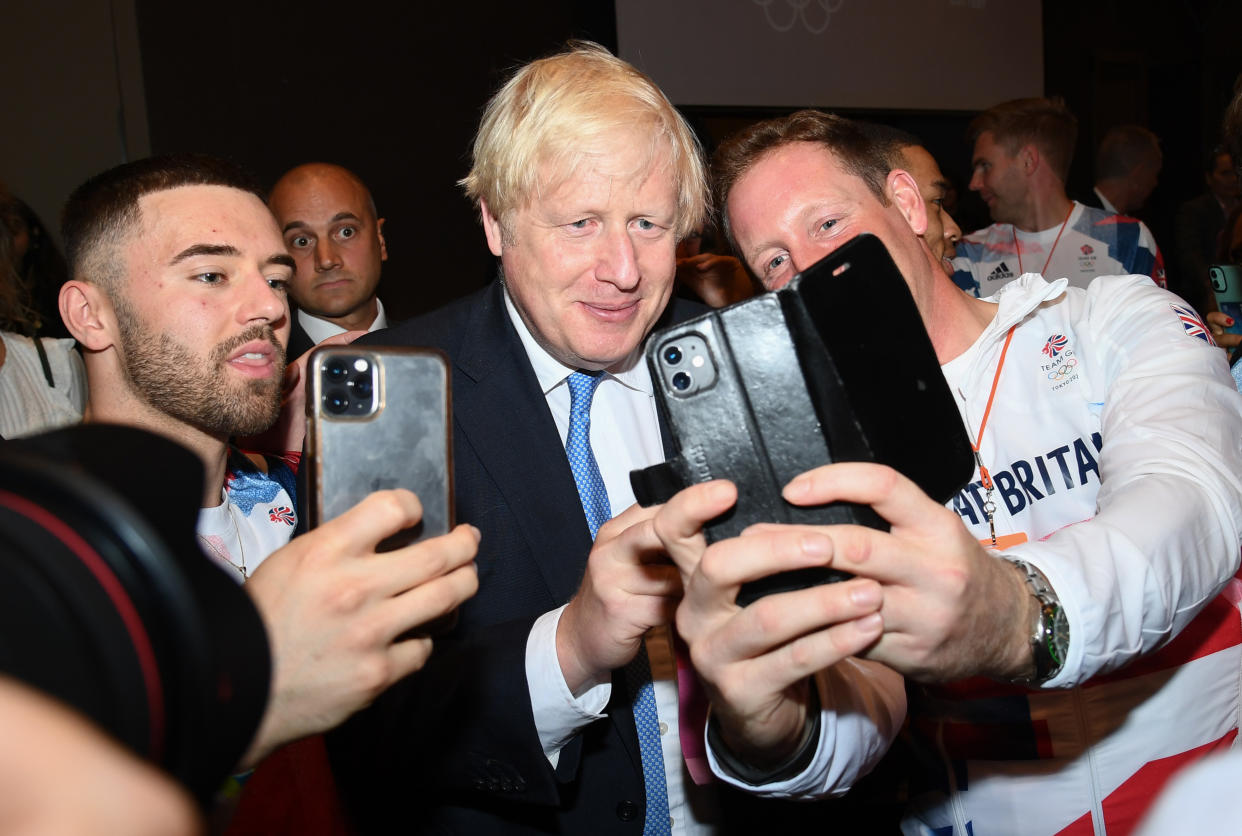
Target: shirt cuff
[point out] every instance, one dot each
(794, 766)
(558, 714)
(862, 707)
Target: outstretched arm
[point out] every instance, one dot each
(336, 612)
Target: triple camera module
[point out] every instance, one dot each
(348, 386)
(686, 365)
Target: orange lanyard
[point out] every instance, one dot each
(1018, 249)
(989, 507)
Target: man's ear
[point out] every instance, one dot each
(379, 233)
(903, 191)
(492, 229)
(1028, 158)
(88, 314)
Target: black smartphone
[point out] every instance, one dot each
(378, 418)
(859, 306)
(785, 382)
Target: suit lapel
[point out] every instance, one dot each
(299, 341)
(501, 410)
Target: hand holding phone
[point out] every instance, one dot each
(1226, 282)
(379, 419)
(785, 382)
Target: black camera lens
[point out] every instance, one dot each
(361, 386)
(682, 381)
(672, 355)
(336, 402)
(336, 369)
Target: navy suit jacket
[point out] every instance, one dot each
(299, 341)
(454, 748)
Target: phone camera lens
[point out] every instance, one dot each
(362, 386)
(336, 369)
(672, 355)
(682, 381)
(336, 402)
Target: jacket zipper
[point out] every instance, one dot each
(1097, 805)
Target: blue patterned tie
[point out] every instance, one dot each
(594, 498)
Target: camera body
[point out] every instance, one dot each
(108, 604)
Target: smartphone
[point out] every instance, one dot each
(735, 402)
(379, 418)
(785, 382)
(860, 308)
(1227, 285)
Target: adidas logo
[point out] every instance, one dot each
(1002, 271)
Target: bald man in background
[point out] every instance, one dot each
(330, 226)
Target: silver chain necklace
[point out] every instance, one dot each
(223, 555)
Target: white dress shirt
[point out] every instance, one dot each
(625, 435)
(320, 329)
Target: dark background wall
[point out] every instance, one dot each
(1168, 65)
(394, 91)
(71, 101)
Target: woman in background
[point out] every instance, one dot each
(40, 267)
(42, 380)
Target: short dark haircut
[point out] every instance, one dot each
(1045, 123)
(890, 141)
(102, 210)
(1123, 149)
(849, 143)
(886, 136)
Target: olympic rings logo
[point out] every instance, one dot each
(1064, 370)
(798, 10)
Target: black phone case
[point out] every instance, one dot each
(788, 381)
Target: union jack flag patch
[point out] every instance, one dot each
(1191, 322)
(1055, 345)
(282, 513)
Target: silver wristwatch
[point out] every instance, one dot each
(1049, 629)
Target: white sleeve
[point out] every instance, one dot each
(1165, 536)
(862, 707)
(558, 714)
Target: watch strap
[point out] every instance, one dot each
(1048, 645)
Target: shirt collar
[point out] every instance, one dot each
(320, 329)
(551, 372)
(1105, 202)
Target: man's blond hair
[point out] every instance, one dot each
(544, 123)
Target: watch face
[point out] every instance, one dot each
(1060, 633)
